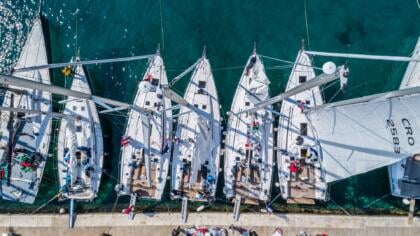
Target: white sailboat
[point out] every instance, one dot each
(80, 144)
(248, 165)
(358, 135)
(196, 156)
(25, 138)
(146, 145)
(301, 174)
(404, 176)
(362, 134)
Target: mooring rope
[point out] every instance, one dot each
(384, 196)
(288, 62)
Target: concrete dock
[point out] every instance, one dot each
(163, 223)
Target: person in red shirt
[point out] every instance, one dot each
(294, 167)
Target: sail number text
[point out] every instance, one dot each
(396, 140)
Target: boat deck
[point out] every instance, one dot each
(300, 174)
(139, 184)
(80, 144)
(302, 186)
(191, 191)
(197, 149)
(31, 132)
(249, 142)
(145, 156)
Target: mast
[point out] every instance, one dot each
(20, 110)
(89, 62)
(364, 56)
(324, 78)
(172, 95)
(19, 82)
(147, 133)
(188, 70)
(11, 140)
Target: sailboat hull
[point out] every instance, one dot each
(146, 145)
(249, 139)
(300, 164)
(31, 133)
(196, 156)
(80, 145)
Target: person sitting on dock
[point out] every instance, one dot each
(128, 210)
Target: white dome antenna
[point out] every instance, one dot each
(329, 67)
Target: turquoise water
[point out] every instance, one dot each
(104, 29)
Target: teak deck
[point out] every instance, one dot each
(139, 183)
(302, 186)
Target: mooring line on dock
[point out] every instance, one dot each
(115, 203)
(344, 210)
(45, 204)
(112, 177)
(384, 196)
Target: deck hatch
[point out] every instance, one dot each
(302, 79)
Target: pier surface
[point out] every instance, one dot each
(163, 223)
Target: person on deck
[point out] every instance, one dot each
(294, 167)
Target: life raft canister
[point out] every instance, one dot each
(66, 71)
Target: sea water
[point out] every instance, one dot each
(96, 29)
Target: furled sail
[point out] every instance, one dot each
(362, 135)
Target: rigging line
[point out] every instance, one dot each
(289, 62)
(418, 4)
(277, 59)
(45, 204)
(113, 215)
(348, 213)
(274, 199)
(306, 24)
(40, 8)
(114, 207)
(334, 96)
(228, 68)
(384, 196)
(188, 70)
(326, 87)
(278, 67)
(75, 47)
(104, 172)
(161, 25)
(350, 89)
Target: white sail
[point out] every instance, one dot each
(363, 136)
